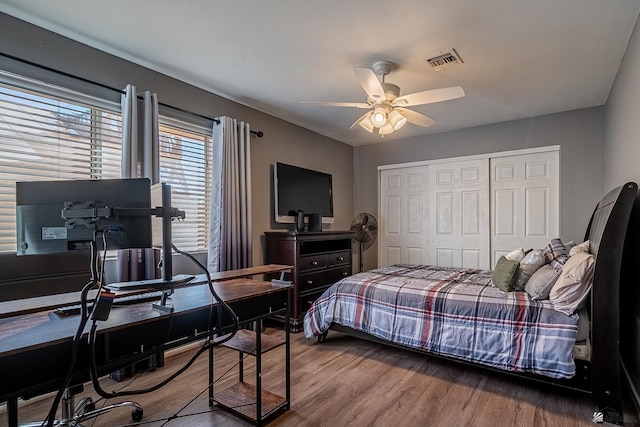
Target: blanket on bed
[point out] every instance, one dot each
(452, 312)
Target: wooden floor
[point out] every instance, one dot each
(347, 382)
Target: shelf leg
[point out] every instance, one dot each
(287, 319)
(258, 326)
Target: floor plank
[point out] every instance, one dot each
(346, 381)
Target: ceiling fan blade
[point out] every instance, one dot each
(416, 118)
(429, 96)
(370, 83)
(338, 104)
(365, 116)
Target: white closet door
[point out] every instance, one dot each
(525, 201)
(403, 218)
(459, 212)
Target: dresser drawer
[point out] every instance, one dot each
(325, 278)
(307, 299)
(339, 258)
(313, 262)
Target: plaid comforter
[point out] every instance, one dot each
(452, 312)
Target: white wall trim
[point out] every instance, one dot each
(472, 157)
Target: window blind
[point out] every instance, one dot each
(44, 136)
(185, 164)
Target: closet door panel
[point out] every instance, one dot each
(402, 226)
(525, 202)
(459, 205)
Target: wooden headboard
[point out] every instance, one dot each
(630, 305)
(606, 232)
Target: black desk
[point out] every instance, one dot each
(35, 348)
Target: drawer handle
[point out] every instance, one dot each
(314, 262)
(309, 282)
(340, 258)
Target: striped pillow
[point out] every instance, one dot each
(556, 253)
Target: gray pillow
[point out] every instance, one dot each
(505, 274)
(541, 282)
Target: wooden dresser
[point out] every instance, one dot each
(318, 258)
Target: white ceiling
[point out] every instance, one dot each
(522, 58)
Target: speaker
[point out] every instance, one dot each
(315, 222)
(300, 221)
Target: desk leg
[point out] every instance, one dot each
(12, 412)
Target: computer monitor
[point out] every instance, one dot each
(65, 216)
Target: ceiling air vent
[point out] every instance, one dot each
(445, 60)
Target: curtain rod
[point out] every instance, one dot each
(257, 133)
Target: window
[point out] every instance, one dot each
(50, 133)
(47, 137)
(185, 164)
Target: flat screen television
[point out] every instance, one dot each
(300, 189)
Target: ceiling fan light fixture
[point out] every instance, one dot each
(397, 120)
(379, 117)
(386, 129)
(367, 124)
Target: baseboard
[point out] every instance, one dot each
(183, 348)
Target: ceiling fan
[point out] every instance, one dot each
(387, 112)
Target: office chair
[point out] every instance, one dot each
(73, 414)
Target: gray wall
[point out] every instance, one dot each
(579, 133)
(622, 119)
(282, 140)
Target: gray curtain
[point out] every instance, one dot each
(230, 233)
(140, 158)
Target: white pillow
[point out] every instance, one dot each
(515, 255)
(529, 265)
(582, 247)
(572, 287)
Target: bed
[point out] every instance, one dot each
(461, 314)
